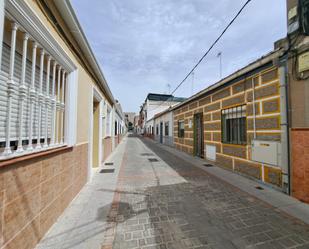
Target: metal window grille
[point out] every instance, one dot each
(234, 130)
(181, 129)
(166, 128)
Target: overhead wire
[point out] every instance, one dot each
(208, 51)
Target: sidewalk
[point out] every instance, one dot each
(281, 201)
(83, 224)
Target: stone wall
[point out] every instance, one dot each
(237, 157)
(35, 192)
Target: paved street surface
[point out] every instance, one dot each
(161, 201)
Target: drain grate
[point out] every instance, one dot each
(208, 165)
(107, 171)
(259, 188)
(109, 164)
(147, 154)
(153, 160)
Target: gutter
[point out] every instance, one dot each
(254, 65)
(69, 16)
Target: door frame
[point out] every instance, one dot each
(195, 142)
(95, 95)
(161, 132)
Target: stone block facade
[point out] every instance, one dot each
(237, 93)
(35, 192)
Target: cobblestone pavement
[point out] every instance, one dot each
(171, 204)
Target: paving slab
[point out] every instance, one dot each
(84, 222)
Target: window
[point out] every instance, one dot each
(234, 125)
(181, 128)
(116, 132)
(33, 87)
(166, 125)
(157, 129)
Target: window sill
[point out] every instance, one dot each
(18, 158)
(232, 144)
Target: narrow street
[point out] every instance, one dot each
(161, 201)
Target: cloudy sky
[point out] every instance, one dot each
(150, 45)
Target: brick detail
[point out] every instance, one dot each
(212, 107)
(222, 94)
(248, 168)
(269, 76)
(216, 116)
(300, 166)
(273, 176)
(36, 192)
(233, 101)
(263, 92)
(207, 117)
(224, 161)
(193, 105)
(249, 109)
(212, 126)
(217, 136)
(245, 85)
(232, 150)
(267, 123)
(204, 101)
(264, 136)
(271, 106)
(207, 136)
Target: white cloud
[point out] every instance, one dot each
(143, 45)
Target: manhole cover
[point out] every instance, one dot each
(153, 159)
(107, 171)
(108, 163)
(259, 188)
(208, 165)
(146, 154)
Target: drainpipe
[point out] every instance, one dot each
(285, 155)
(254, 111)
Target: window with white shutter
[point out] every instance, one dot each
(32, 94)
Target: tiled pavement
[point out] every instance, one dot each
(171, 204)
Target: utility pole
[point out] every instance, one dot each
(219, 55)
(192, 83)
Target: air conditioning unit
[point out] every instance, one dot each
(267, 152)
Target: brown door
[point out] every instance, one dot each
(198, 135)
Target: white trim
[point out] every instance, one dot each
(101, 106)
(1, 24)
(98, 97)
(24, 15)
(90, 135)
(70, 127)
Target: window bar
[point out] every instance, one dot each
(40, 99)
(10, 91)
(22, 95)
(53, 99)
(32, 93)
(62, 107)
(58, 105)
(47, 101)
